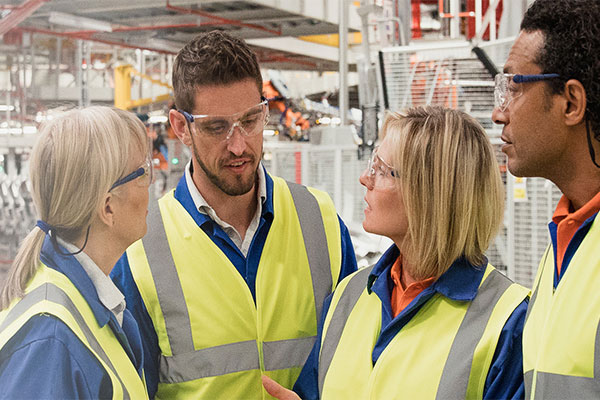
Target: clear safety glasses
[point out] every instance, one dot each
(507, 87)
(143, 176)
(380, 173)
(250, 122)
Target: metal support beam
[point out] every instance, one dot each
(343, 63)
(220, 20)
(19, 14)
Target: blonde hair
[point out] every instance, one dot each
(450, 185)
(76, 160)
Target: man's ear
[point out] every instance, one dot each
(576, 102)
(180, 127)
(106, 213)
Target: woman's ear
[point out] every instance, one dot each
(106, 213)
(180, 127)
(576, 101)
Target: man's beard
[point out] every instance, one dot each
(238, 188)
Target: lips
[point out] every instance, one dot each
(238, 163)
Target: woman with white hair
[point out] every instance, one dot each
(64, 329)
(432, 319)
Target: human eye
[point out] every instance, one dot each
(214, 127)
(381, 171)
(512, 86)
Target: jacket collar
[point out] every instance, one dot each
(70, 267)
(460, 282)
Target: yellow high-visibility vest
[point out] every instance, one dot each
(444, 351)
(51, 292)
(215, 341)
(561, 338)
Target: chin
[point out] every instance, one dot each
(366, 226)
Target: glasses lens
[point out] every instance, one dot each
(254, 120)
(213, 126)
(147, 177)
(500, 86)
(379, 172)
(251, 122)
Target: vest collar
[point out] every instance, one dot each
(460, 282)
(70, 267)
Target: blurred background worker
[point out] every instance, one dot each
(64, 330)
(432, 319)
(548, 100)
(230, 280)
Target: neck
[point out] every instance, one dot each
(102, 249)
(577, 177)
(237, 211)
(407, 277)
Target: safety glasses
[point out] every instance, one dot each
(143, 176)
(507, 87)
(250, 122)
(379, 172)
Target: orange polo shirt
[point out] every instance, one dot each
(568, 221)
(401, 294)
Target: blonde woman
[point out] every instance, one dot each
(64, 330)
(432, 319)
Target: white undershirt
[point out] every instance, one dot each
(203, 207)
(110, 296)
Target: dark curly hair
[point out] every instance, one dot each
(571, 31)
(212, 58)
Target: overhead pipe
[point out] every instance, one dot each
(131, 46)
(19, 14)
(140, 28)
(224, 21)
(289, 60)
(94, 39)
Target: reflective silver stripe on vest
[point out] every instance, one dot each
(559, 387)
(454, 381)
(528, 380)
(213, 361)
(53, 293)
(289, 353)
(234, 357)
(189, 364)
(346, 303)
(315, 242)
(168, 287)
(535, 292)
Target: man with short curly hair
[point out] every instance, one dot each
(548, 100)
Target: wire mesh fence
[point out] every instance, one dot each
(453, 76)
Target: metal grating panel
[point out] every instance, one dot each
(452, 76)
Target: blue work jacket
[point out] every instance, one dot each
(45, 359)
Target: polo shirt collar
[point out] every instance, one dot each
(460, 282)
(182, 194)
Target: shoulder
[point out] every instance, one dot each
(48, 335)
(45, 341)
(356, 281)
